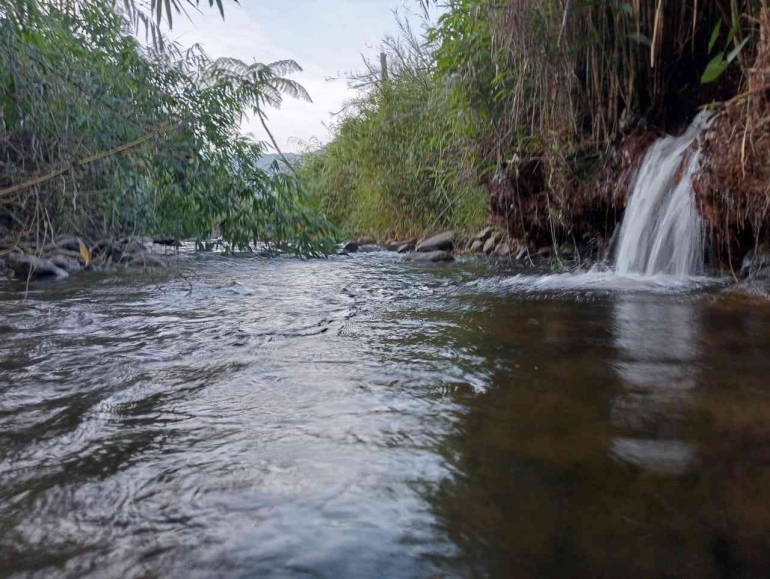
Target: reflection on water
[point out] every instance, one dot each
(359, 417)
(657, 344)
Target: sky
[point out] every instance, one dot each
(326, 38)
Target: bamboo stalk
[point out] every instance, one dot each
(658, 24)
(82, 162)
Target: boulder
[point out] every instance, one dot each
(395, 245)
(133, 247)
(68, 242)
(350, 246)
(366, 240)
(477, 246)
(405, 248)
(429, 256)
(490, 244)
(483, 235)
(65, 262)
(441, 242)
(755, 261)
(29, 266)
(503, 249)
(66, 253)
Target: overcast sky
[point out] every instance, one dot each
(326, 37)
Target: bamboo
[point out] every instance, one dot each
(82, 162)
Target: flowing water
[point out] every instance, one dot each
(359, 417)
(662, 232)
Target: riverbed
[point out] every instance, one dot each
(362, 417)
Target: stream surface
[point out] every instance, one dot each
(359, 417)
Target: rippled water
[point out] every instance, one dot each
(360, 417)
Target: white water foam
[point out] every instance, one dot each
(594, 282)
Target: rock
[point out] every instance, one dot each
(366, 240)
(68, 242)
(350, 246)
(441, 242)
(503, 249)
(477, 246)
(396, 245)
(66, 253)
(133, 247)
(146, 260)
(169, 241)
(429, 256)
(29, 266)
(65, 262)
(483, 235)
(755, 261)
(406, 248)
(490, 244)
(145, 241)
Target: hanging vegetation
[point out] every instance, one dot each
(103, 137)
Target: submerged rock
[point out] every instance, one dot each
(31, 267)
(350, 246)
(429, 256)
(147, 260)
(441, 242)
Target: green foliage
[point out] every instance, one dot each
(75, 86)
(718, 65)
(399, 162)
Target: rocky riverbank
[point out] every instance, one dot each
(66, 254)
(490, 241)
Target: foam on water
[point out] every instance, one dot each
(595, 281)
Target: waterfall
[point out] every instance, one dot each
(662, 232)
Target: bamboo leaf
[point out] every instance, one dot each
(737, 50)
(714, 69)
(715, 36)
(84, 253)
(640, 39)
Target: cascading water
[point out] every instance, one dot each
(662, 232)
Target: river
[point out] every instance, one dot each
(359, 417)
